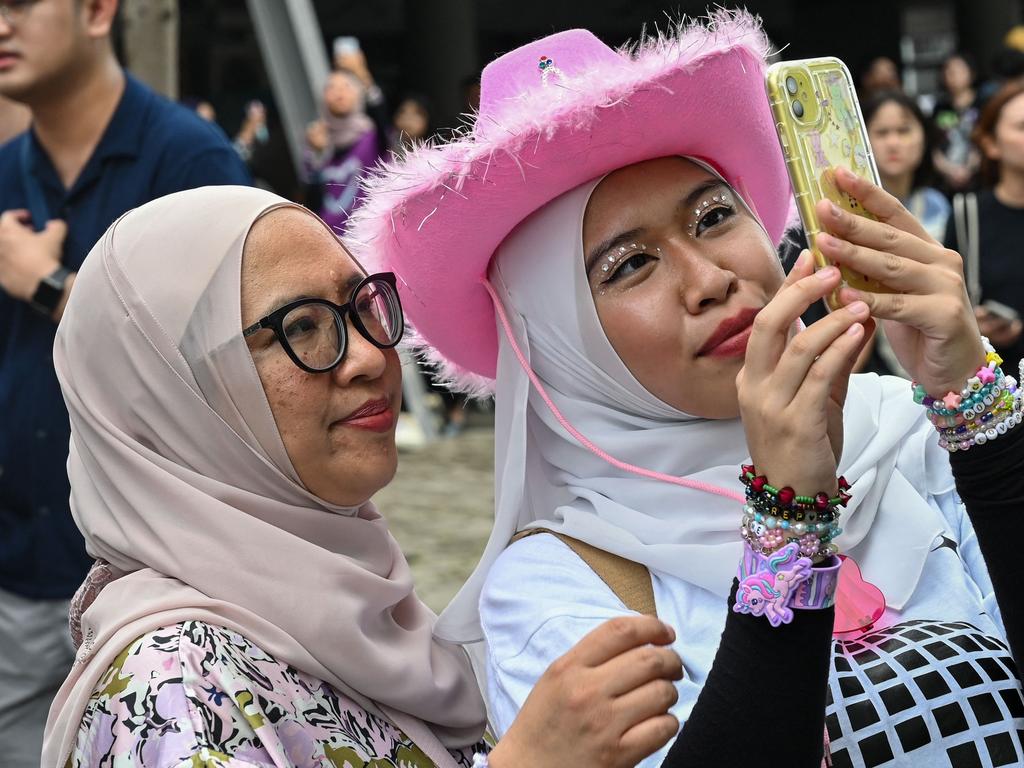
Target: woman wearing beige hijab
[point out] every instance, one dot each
(232, 385)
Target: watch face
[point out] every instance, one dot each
(47, 297)
(50, 292)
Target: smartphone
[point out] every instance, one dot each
(1000, 310)
(820, 128)
(346, 45)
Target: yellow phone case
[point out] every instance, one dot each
(820, 127)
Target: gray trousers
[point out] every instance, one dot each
(36, 654)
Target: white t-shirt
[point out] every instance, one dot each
(935, 686)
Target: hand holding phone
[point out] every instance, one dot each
(821, 128)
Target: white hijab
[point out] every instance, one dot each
(546, 478)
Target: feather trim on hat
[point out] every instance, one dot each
(442, 168)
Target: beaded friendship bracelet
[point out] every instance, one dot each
(776, 517)
(988, 406)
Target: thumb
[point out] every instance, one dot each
(56, 229)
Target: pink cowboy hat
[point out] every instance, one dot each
(554, 114)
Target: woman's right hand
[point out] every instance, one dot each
(792, 386)
(603, 704)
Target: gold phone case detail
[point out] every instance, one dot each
(820, 128)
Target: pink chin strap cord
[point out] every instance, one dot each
(581, 438)
(826, 761)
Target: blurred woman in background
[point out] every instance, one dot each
(902, 144)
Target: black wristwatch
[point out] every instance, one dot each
(50, 292)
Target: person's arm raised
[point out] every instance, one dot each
(933, 330)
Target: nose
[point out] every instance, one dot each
(704, 282)
(362, 361)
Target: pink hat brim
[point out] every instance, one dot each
(436, 217)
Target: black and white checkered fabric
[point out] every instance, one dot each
(925, 693)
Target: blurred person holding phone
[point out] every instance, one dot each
(346, 141)
(100, 143)
(987, 227)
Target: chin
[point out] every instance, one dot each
(352, 488)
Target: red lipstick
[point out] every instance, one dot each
(374, 415)
(731, 336)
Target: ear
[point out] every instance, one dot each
(988, 146)
(98, 16)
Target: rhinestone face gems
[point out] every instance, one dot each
(715, 201)
(623, 254)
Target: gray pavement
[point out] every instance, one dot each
(440, 507)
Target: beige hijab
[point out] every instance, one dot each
(179, 476)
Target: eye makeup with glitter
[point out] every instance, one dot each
(623, 261)
(710, 212)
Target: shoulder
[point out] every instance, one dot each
(538, 582)
(181, 129)
(186, 150)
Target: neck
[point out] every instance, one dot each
(1010, 189)
(899, 186)
(69, 120)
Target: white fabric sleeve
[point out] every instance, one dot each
(539, 600)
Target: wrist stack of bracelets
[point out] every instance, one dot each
(988, 406)
(774, 517)
(785, 535)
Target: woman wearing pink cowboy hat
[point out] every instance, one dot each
(600, 252)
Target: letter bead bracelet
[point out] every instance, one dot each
(989, 406)
(774, 517)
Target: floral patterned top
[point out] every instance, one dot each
(195, 695)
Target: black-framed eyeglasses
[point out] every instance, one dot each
(313, 331)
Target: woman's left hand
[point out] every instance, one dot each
(930, 322)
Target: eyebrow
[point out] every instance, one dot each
(346, 290)
(687, 204)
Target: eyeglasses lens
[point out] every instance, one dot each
(313, 334)
(380, 312)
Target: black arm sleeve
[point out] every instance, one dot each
(783, 671)
(990, 480)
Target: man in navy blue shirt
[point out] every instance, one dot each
(101, 143)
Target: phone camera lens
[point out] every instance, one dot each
(798, 108)
(791, 85)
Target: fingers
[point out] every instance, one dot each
(650, 700)
(15, 215)
(808, 346)
(647, 737)
(835, 362)
(899, 307)
(619, 635)
(56, 228)
(894, 271)
(841, 384)
(885, 207)
(773, 323)
(639, 666)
